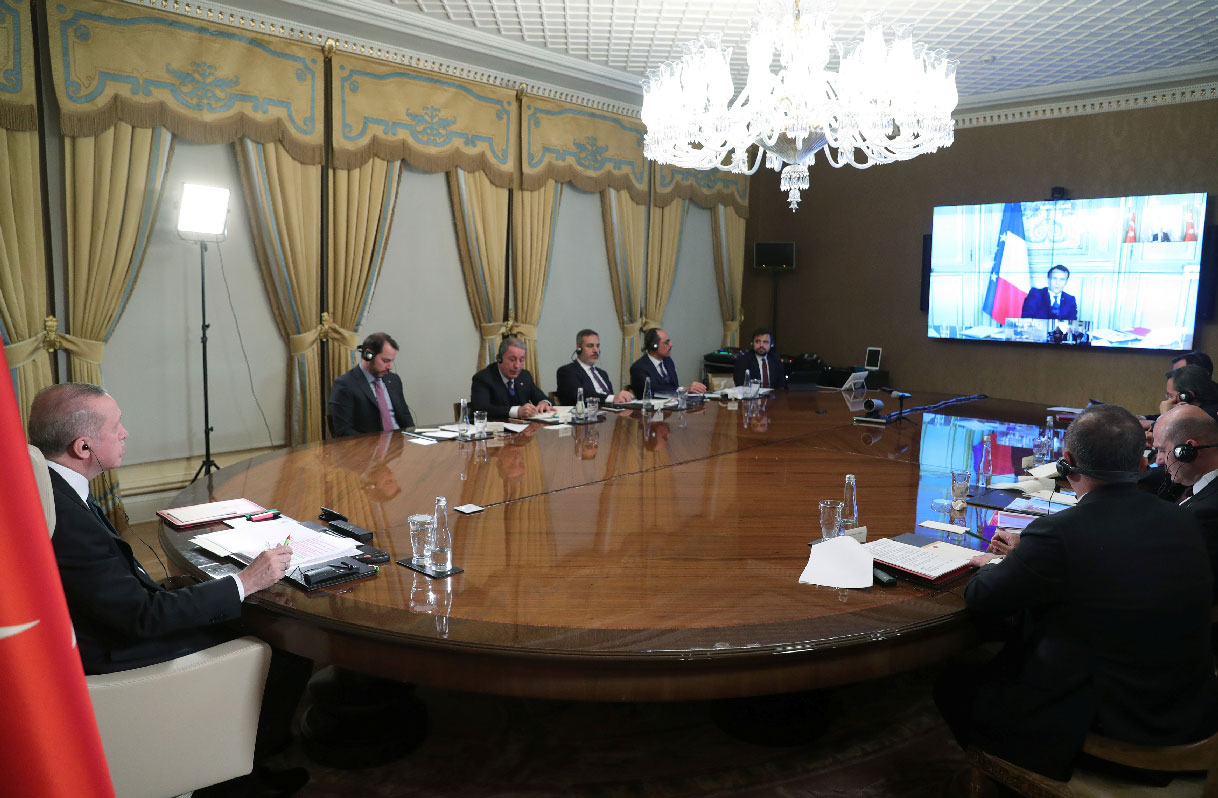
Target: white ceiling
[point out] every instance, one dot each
(1009, 50)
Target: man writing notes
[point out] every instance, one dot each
(369, 397)
(1111, 603)
(762, 362)
(123, 619)
(1052, 302)
(656, 365)
(584, 373)
(505, 388)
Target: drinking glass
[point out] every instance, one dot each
(682, 397)
(591, 408)
(830, 518)
(754, 388)
(960, 480)
(420, 532)
(480, 422)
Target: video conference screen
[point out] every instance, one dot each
(1119, 271)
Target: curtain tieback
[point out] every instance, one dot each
(50, 340)
(498, 329)
(326, 331)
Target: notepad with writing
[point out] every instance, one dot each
(923, 563)
(209, 512)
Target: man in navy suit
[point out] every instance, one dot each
(1052, 302)
(657, 365)
(762, 363)
(505, 388)
(122, 617)
(584, 373)
(369, 397)
(1186, 446)
(1111, 602)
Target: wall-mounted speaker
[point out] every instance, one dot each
(774, 256)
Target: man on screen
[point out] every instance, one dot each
(1052, 302)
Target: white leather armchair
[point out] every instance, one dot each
(174, 727)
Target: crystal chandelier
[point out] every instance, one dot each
(884, 103)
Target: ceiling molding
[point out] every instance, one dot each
(1126, 101)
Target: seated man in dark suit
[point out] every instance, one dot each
(369, 397)
(1186, 444)
(584, 373)
(123, 619)
(1190, 385)
(505, 388)
(1192, 359)
(656, 365)
(1111, 604)
(762, 363)
(1052, 302)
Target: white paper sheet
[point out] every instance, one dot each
(838, 562)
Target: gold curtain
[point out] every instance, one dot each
(533, 219)
(362, 201)
(570, 143)
(434, 122)
(663, 242)
(727, 240)
(23, 279)
(114, 182)
(480, 211)
(283, 198)
(625, 223)
(704, 187)
(207, 82)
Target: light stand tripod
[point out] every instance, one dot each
(208, 465)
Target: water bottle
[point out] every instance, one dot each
(748, 380)
(647, 397)
(442, 550)
(463, 419)
(578, 410)
(985, 469)
(1051, 436)
(850, 504)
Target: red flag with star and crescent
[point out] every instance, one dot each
(51, 746)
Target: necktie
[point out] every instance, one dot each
(663, 371)
(1056, 304)
(97, 510)
(382, 401)
(765, 373)
(600, 384)
(512, 387)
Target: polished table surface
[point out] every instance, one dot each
(635, 559)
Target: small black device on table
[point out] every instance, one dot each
(337, 522)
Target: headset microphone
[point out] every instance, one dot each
(1064, 469)
(1187, 452)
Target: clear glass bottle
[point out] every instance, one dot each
(985, 468)
(442, 545)
(647, 397)
(1051, 435)
(578, 410)
(748, 379)
(463, 418)
(850, 504)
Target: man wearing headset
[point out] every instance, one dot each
(505, 388)
(761, 362)
(1111, 604)
(657, 365)
(369, 397)
(584, 373)
(123, 619)
(1186, 445)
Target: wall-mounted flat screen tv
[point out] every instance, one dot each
(1119, 271)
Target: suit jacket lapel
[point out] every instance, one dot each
(1206, 492)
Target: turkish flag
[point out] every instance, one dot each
(51, 746)
(1131, 233)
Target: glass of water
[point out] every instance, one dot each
(591, 408)
(960, 480)
(754, 388)
(420, 531)
(682, 397)
(480, 422)
(830, 518)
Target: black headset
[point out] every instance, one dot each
(1187, 452)
(1187, 397)
(373, 344)
(1064, 469)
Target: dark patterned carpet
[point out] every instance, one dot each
(881, 739)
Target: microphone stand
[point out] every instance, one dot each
(901, 408)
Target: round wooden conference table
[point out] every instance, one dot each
(634, 559)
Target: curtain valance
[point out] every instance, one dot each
(17, 91)
(208, 83)
(594, 150)
(705, 187)
(433, 122)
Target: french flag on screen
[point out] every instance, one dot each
(1010, 279)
